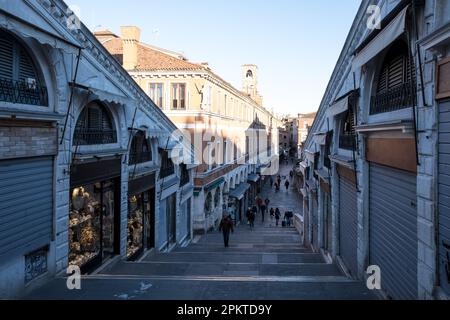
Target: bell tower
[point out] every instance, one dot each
(250, 82)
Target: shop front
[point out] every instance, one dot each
(253, 179)
(94, 213)
(238, 202)
(141, 216)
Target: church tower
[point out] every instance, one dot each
(250, 82)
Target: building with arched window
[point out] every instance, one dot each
(375, 174)
(87, 173)
(190, 94)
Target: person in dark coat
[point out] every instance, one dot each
(226, 226)
(251, 218)
(255, 209)
(286, 184)
(277, 215)
(272, 215)
(263, 212)
(267, 202)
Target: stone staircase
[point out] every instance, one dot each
(268, 262)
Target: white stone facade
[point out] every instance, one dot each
(430, 16)
(55, 46)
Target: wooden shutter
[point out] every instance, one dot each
(94, 118)
(6, 57)
(396, 72)
(26, 66)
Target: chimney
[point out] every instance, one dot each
(130, 38)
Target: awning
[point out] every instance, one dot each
(27, 30)
(253, 178)
(214, 184)
(167, 145)
(109, 97)
(101, 94)
(303, 166)
(239, 192)
(338, 107)
(320, 138)
(304, 192)
(344, 161)
(323, 174)
(310, 155)
(388, 35)
(311, 184)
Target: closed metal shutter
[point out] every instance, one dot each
(328, 239)
(393, 230)
(26, 205)
(348, 224)
(444, 196)
(315, 222)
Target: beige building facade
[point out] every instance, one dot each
(221, 120)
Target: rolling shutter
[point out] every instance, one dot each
(444, 196)
(315, 222)
(26, 205)
(348, 224)
(393, 230)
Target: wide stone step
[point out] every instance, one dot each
(221, 269)
(143, 288)
(247, 257)
(257, 240)
(243, 249)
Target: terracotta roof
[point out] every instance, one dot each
(153, 60)
(149, 59)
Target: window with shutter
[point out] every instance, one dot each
(396, 87)
(6, 58)
(19, 76)
(94, 126)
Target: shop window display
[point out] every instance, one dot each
(135, 226)
(91, 225)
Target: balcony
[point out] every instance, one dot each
(87, 137)
(347, 142)
(140, 157)
(397, 98)
(23, 93)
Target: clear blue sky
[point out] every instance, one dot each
(295, 43)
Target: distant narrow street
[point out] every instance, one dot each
(266, 263)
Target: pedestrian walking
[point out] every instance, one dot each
(272, 216)
(286, 184)
(263, 212)
(226, 226)
(255, 210)
(259, 202)
(288, 215)
(277, 216)
(291, 174)
(251, 218)
(267, 202)
(271, 182)
(279, 180)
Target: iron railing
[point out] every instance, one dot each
(85, 137)
(397, 98)
(140, 157)
(23, 93)
(347, 141)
